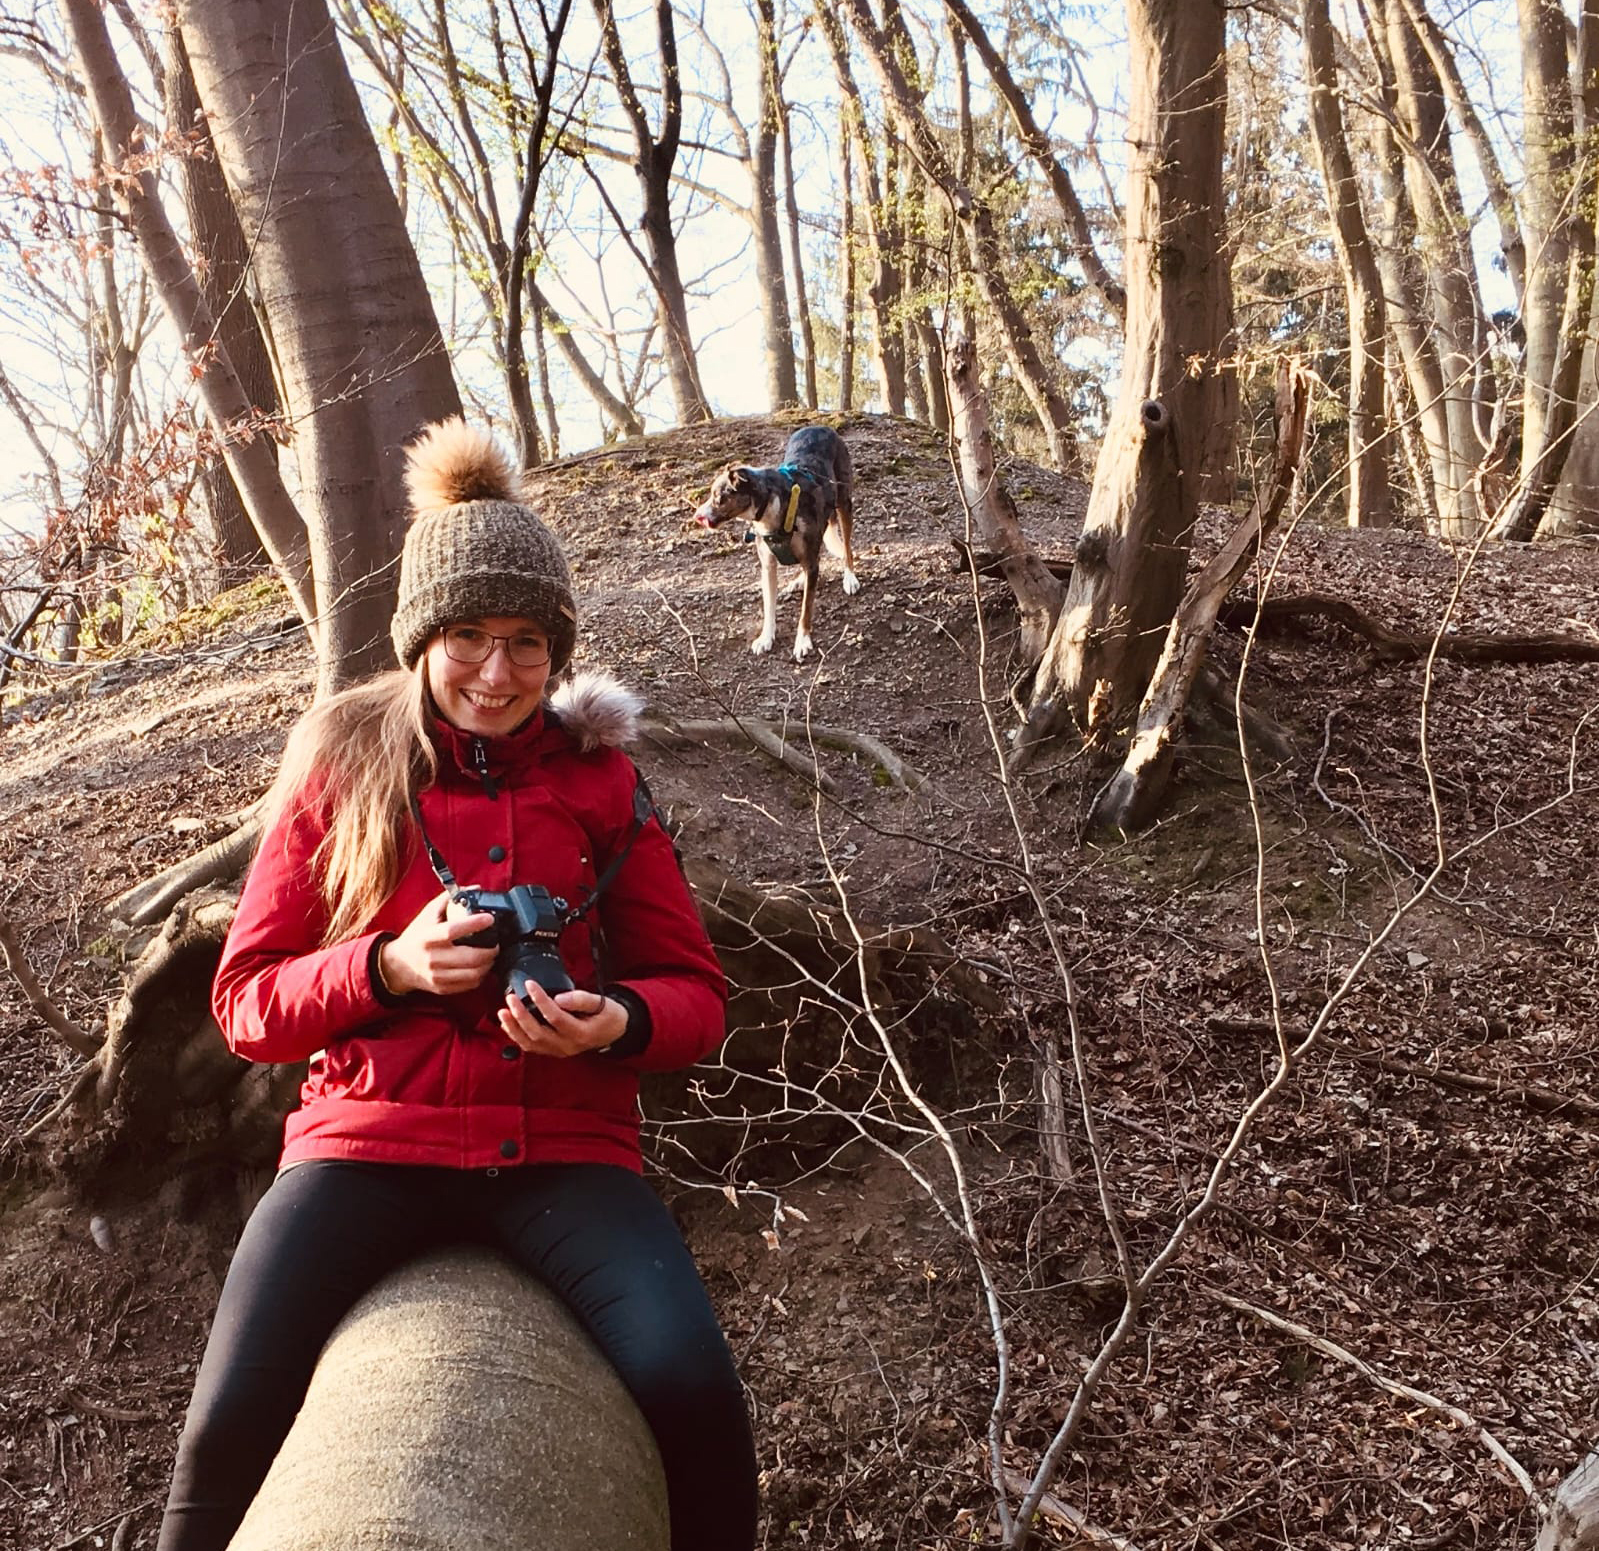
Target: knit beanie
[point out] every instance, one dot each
(473, 549)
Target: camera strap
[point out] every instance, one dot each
(643, 808)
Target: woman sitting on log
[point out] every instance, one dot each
(473, 1063)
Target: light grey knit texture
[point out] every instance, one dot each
(477, 560)
(460, 1408)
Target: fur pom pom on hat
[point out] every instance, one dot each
(475, 549)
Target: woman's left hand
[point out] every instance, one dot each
(574, 1021)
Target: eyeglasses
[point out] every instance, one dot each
(466, 643)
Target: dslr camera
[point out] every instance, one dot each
(528, 921)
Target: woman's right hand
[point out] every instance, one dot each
(429, 956)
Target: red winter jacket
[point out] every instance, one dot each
(425, 1079)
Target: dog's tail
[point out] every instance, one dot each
(452, 462)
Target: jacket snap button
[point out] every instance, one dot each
(508, 1149)
(510, 1052)
(496, 853)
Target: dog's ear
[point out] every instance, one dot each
(737, 477)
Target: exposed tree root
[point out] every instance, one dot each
(148, 902)
(1462, 1419)
(776, 742)
(990, 564)
(1390, 645)
(85, 1044)
(164, 1076)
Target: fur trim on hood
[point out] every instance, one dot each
(597, 710)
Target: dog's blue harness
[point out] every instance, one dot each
(782, 544)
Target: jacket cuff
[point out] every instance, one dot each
(387, 997)
(635, 1039)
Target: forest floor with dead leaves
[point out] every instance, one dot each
(1419, 1205)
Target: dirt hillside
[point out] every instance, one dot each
(1422, 1195)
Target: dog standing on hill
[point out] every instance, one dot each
(792, 510)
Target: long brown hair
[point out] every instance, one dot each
(362, 754)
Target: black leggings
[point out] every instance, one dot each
(595, 1234)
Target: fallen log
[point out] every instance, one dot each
(457, 1407)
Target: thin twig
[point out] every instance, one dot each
(74, 1038)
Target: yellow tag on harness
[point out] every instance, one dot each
(793, 507)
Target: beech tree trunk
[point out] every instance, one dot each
(1035, 375)
(1452, 306)
(1399, 267)
(217, 239)
(994, 519)
(459, 1407)
(254, 470)
(1133, 555)
(846, 270)
(362, 361)
(1370, 500)
(782, 380)
(1547, 211)
(1527, 515)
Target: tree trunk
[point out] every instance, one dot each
(1370, 500)
(846, 272)
(1133, 554)
(882, 288)
(358, 346)
(254, 470)
(216, 238)
(518, 252)
(457, 1407)
(994, 519)
(1039, 148)
(1573, 1522)
(1549, 210)
(1540, 477)
(1036, 377)
(1399, 268)
(654, 156)
(782, 383)
(1132, 797)
(802, 305)
(1502, 201)
(1442, 229)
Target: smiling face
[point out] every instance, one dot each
(491, 697)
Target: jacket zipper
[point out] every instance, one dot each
(480, 761)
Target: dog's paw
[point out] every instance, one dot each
(762, 643)
(803, 647)
(852, 583)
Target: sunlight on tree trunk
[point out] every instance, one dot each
(358, 345)
(1133, 554)
(1370, 501)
